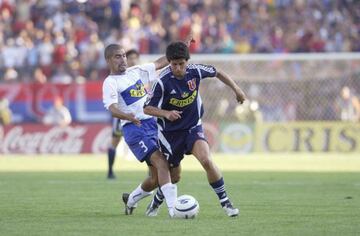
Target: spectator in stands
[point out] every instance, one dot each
(5, 112)
(50, 33)
(58, 114)
(11, 75)
(61, 76)
(39, 76)
(348, 105)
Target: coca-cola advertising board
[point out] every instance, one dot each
(37, 138)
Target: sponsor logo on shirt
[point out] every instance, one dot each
(138, 91)
(133, 93)
(183, 102)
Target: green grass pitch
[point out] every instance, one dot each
(287, 194)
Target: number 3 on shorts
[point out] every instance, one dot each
(142, 144)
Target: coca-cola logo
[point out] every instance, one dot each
(102, 141)
(54, 140)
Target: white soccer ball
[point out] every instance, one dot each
(186, 207)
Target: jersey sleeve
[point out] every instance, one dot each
(148, 73)
(109, 93)
(157, 96)
(205, 71)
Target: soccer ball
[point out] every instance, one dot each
(186, 207)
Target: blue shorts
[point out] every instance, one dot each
(175, 144)
(143, 140)
(116, 127)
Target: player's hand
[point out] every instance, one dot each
(134, 120)
(240, 95)
(173, 115)
(189, 40)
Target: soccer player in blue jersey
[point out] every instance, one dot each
(177, 104)
(132, 56)
(124, 96)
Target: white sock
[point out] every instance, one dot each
(170, 193)
(137, 195)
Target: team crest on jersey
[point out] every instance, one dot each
(133, 93)
(192, 84)
(185, 95)
(201, 134)
(138, 91)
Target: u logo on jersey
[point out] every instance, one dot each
(192, 84)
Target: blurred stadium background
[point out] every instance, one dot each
(297, 60)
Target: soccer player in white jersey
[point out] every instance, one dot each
(132, 56)
(177, 104)
(124, 96)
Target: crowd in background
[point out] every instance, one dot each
(61, 40)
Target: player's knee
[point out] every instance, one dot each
(159, 162)
(206, 163)
(153, 177)
(154, 183)
(175, 178)
(162, 165)
(154, 180)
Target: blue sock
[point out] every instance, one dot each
(111, 158)
(219, 188)
(158, 197)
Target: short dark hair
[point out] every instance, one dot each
(131, 52)
(177, 50)
(109, 50)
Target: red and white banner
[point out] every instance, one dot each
(30, 101)
(37, 138)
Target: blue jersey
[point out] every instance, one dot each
(170, 93)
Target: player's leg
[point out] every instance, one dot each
(143, 142)
(168, 189)
(201, 151)
(116, 136)
(172, 146)
(158, 199)
(111, 156)
(151, 181)
(143, 190)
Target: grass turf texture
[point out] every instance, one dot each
(277, 195)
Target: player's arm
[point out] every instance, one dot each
(152, 107)
(240, 95)
(161, 63)
(155, 111)
(117, 113)
(110, 100)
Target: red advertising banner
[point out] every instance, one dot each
(37, 138)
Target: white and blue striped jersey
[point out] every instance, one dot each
(128, 90)
(170, 93)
